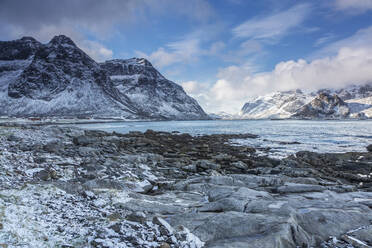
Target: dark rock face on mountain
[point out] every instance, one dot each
(59, 79)
(151, 93)
(323, 106)
(19, 49)
(351, 92)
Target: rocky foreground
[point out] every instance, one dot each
(66, 187)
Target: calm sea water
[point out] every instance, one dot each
(319, 136)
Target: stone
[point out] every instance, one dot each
(363, 234)
(369, 148)
(354, 241)
(206, 165)
(95, 133)
(190, 168)
(116, 228)
(136, 217)
(165, 245)
(42, 175)
(103, 184)
(84, 140)
(14, 138)
(164, 224)
(135, 205)
(40, 160)
(53, 146)
(299, 188)
(239, 165)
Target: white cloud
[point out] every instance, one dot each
(216, 47)
(354, 6)
(250, 46)
(96, 50)
(351, 64)
(175, 52)
(199, 91)
(186, 50)
(324, 39)
(273, 26)
(97, 17)
(191, 87)
(45, 19)
(362, 38)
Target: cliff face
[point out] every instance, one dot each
(324, 106)
(59, 79)
(151, 93)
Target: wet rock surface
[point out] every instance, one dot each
(66, 187)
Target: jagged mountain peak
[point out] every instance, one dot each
(134, 62)
(150, 92)
(134, 66)
(62, 40)
(19, 49)
(59, 79)
(324, 105)
(138, 62)
(29, 39)
(329, 98)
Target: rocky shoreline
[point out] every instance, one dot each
(68, 187)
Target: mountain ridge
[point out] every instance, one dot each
(350, 102)
(59, 79)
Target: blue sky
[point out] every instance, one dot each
(222, 52)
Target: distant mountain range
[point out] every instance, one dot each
(58, 79)
(350, 102)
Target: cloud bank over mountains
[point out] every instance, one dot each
(88, 22)
(339, 64)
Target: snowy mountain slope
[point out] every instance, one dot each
(150, 92)
(59, 79)
(223, 116)
(274, 105)
(351, 92)
(360, 107)
(350, 102)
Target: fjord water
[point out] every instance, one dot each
(312, 135)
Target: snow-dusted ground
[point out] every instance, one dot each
(68, 187)
(41, 207)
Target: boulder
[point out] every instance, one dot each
(369, 148)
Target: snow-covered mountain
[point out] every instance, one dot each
(350, 102)
(150, 92)
(324, 106)
(59, 79)
(223, 116)
(275, 105)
